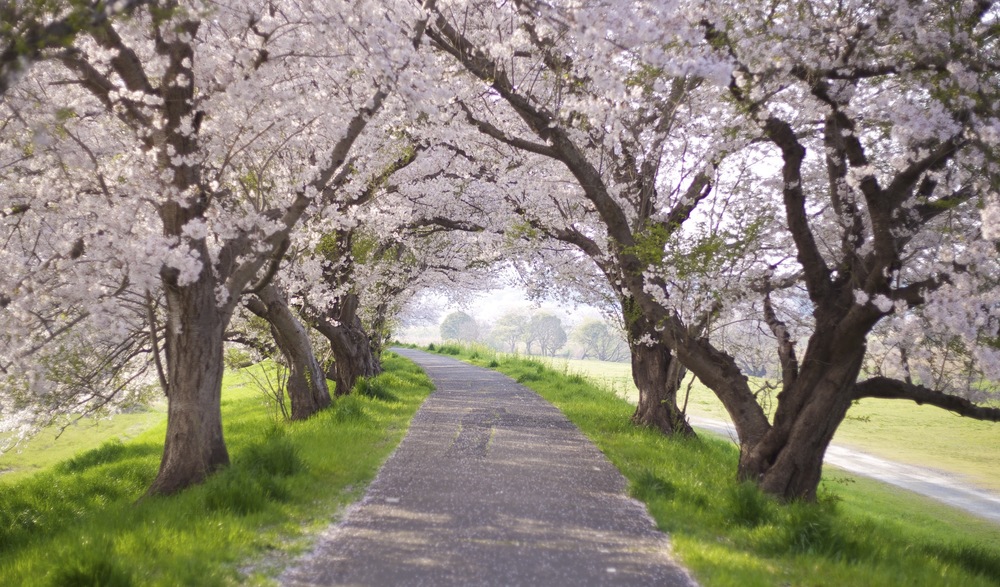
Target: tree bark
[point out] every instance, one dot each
(194, 445)
(351, 347)
(657, 376)
(787, 462)
(306, 388)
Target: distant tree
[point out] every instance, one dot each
(601, 342)
(509, 330)
(459, 326)
(548, 331)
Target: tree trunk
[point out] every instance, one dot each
(352, 356)
(351, 347)
(658, 376)
(194, 445)
(306, 388)
(788, 460)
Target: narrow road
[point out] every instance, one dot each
(492, 485)
(928, 482)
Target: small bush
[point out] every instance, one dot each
(493, 364)
(276, 455)
(430, 347)
(349, 409)
(241, 492)
(94, 570)
(748, 506)
(375, 388)
(528, 377)
(809, 528)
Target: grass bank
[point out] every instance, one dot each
(78, 522)
(892, 429)
(729, 534)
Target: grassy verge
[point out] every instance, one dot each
(892, 429)
(78, 523)
(860, 533)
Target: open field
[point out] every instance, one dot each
(860, 533)
(56, 444)
(79, 522)
(892, 429)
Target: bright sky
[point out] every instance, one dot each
(488, 306)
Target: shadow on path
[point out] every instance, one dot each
(492, 485)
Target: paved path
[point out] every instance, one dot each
(928, 482)
(491, 486)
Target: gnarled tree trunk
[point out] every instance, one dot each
(306, 388)
(657, 376)
(787, 461)
(194, 445)
(351, 347)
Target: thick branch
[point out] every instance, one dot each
(542, 123)
(446, 224)
(699, 189)
(886, 388)
(338, 155)
(516, 142)
(36, 37)
(807, 251)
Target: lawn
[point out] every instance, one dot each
(860, 532)
(896, 430)
(84, 521)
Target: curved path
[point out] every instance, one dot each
(492, 485)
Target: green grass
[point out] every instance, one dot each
(58, 443)
(79, 523)
(892, 429)
(859, 533)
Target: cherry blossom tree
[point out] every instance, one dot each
(306, 385)
(175, 99)
(881, 116)
(616, 141)
(904, 100)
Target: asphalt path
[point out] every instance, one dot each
(944, 487)
(492, 485)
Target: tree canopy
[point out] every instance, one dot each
(808, 189)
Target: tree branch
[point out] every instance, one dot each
(154, 343)
(518, 143)
(28, 46)
(786, 347)
(887, 388)
(807, 251)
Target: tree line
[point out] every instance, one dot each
(540, 333)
